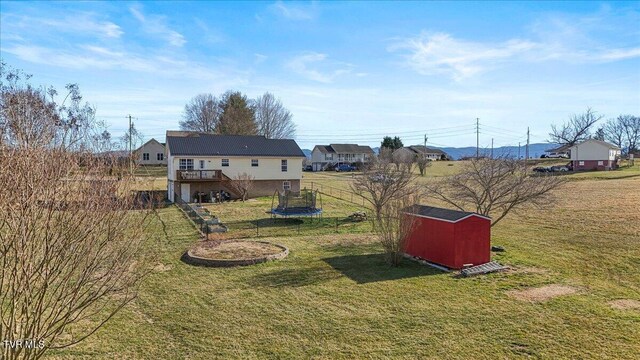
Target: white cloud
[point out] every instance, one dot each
(604, 36)
(440, 53)
(156, 25)
(295, 11)
(308, 64)
(83, 23)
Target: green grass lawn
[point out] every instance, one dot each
(335, 297)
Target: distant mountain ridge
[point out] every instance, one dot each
(535, 150)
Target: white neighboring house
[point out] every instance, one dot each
(594, 155)
(324, 156)
(410, 152)
(151, 153)
(201, 164)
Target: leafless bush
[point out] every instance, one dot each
(71, 246)
(423, 163)
(241, 184)
(394, 226)
(495, 187)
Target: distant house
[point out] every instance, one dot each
(201, 165)
(594, 155)
(410, 153)
(151, 153)
(558, 152)
(324, 156)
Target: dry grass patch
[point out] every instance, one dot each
(543, 293)
(625, 304)
(232, 250)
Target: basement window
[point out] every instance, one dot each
(286, 185)
(600, 163)
(581, 163)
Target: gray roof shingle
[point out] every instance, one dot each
(202, 144)
(440, 213)
(345, 149)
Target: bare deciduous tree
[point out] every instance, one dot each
(71, 246)
(30, 116)
(394, 226)
(631, 125)
(241, 184)
(423, 163)
(273, 120)
(202, 113)
(614, 132)
(382, 182)
(577, 129)
(494, 188)
(132, 135)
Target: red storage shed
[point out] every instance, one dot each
(449, 237)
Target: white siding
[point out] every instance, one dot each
(153, 148)
(269, 168)
(590, 150)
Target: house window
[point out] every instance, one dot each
(600, 163)
(254, 162)
(581, 163)
(186, 164)
(286, 185)
(283, 165)
(225, 162)
(160, 156)
(328, 156)
(201, 164)
(145, 156)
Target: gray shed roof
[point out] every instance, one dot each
(202, 144)
(441, 213)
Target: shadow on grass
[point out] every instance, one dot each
(294, 277)
(373, 267)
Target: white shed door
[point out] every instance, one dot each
(185, 192)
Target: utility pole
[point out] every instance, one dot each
(425, 142)
(518, 150)
(477, 138)
(527, 149)
(130, 147)
(492, 148)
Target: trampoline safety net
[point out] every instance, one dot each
(303, 203)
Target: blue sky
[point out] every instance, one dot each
(348, 71)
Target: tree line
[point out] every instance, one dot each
(232, 113)
(623, 131)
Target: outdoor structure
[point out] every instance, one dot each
(151, 153)
(558, 152)
(451, 238)
(326, 156)
(409, 153)
(201, 165)
(295, 204)
(594, 155)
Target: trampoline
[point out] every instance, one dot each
(292, 204)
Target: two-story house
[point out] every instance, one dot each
(324, 156)
(201, 164)
(151, 153)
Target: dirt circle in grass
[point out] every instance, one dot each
(234, 253)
